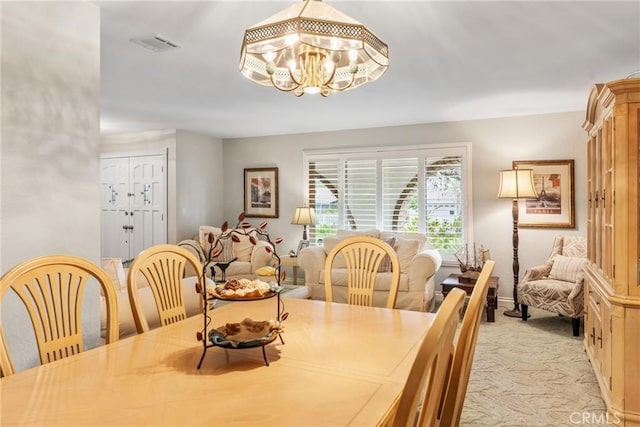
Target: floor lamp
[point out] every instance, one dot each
(516, 184)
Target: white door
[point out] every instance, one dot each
(114, 205)
(133, 205)
(147, 214)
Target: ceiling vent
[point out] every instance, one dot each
(156, 43)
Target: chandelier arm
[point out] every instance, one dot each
(284, 89)
(337, 89)
(328, 81)
(293, 79)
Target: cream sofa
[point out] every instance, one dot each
(250, 257)
(418, 264)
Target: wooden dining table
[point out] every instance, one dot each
(339, 365)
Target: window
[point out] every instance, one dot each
(404, 189)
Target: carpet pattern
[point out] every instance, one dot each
(531, 374)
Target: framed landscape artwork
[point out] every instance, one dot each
(261, 192)
(555, 205)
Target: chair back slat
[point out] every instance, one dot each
(465, 349)
(52, 289)
(163, 268)
(363, 256)
(423, 392)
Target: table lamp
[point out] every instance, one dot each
(304, 216)
(516, 184)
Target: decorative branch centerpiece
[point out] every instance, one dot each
(242, 228)
(471, 262)
(248, 333)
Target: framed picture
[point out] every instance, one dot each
(261, 192)
(303, 244)
(555, 205)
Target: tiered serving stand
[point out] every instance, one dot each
(210, 337)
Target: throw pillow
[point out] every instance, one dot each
(115, 271)
(385, 265)
(568, 269)
(203, 235)
(244, 248)
(348, 233)
(329, 243)
(227, 246)
(406, 249)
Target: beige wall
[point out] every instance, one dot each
(199, 180)
(495, 143)
(49, 148)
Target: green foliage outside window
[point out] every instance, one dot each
(323, 230)
(444, 234)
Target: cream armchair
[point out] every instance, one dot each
(557, 286)
(248, 257)
(418, 265)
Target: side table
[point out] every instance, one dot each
(492, 295)
(292, 262)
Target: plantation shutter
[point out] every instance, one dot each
(410, 189)
(324, 191)
(399, 201)
(360, 184)
(444, 201)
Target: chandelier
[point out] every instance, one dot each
(311, 47)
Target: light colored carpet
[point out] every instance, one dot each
(531, 374)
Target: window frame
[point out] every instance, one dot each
(342, 154)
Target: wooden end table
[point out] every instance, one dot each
(492, 295)
(293, 263)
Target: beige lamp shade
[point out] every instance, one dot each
(517, 184)
(304, 216)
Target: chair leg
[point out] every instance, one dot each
(524, 309)
(575, 325)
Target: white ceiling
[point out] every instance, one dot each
(449, 61)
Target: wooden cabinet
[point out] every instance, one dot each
(612, 277)
(597, 330)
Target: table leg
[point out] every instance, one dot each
(491, 308)
(295, 274)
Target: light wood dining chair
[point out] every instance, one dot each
(162, 267)
(52, 289)
(465, 349)
(363, 256)
(422, 395)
